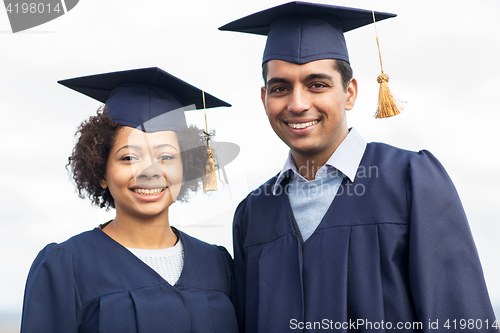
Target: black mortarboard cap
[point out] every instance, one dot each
(148, 98)
(301, 32)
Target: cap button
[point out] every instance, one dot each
(383, 78)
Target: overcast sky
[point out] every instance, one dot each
(441, 56)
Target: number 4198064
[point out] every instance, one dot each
(32, 8)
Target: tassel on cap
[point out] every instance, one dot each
(388, 105)
(210, 178)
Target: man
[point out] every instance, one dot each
(349, 236)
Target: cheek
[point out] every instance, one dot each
(274, 107)
(333, 106)
(116, 180)
(174, 173)
(175, 180)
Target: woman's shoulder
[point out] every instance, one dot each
(208, 260)
(195, 244)
(205, 254)
(70, 245)
(77, 243)
(83, 253)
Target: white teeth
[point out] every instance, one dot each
(302, 125)
(148, 191)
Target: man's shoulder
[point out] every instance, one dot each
(383, 153)
(265, 189)
(401, 161)
(260, 197)
(384, 149)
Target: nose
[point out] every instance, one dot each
(299, 101)
(153, 171)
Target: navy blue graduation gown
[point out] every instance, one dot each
(90, 283)
(393, 248)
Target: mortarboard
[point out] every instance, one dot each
(152, 100)
(146, 98)
(301, 32)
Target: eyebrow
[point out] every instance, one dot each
(129, 147)
(140, 148)
(165, 145)
(313, 76)
(277, 80)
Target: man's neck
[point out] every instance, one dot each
(307, 166)
(309, 163)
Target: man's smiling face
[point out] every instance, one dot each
(306, 106)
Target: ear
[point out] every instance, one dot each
(352, 93)
(263, 97)
(103, 183)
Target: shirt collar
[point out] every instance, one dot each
(346, 158)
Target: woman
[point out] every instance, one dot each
(134, 273)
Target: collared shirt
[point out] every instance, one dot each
(311, 199)
(345, 158)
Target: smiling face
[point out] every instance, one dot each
(144, 172)
(306, 106)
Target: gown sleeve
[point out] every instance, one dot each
(446, 278)
(51, 302)
(239, 265)
(228, 264)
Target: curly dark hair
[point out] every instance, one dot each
(96, 137)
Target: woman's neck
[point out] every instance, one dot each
(141, 233)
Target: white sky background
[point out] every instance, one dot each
(442, 57)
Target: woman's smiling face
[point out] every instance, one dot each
(144, 172)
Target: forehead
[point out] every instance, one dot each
(281, 68)
(132, 136)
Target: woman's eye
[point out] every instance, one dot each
(166, 157)
(129, 158)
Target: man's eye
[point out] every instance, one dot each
(318, 85)
(278, 89)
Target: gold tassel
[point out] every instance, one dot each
(388, 105)
(210, 178)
